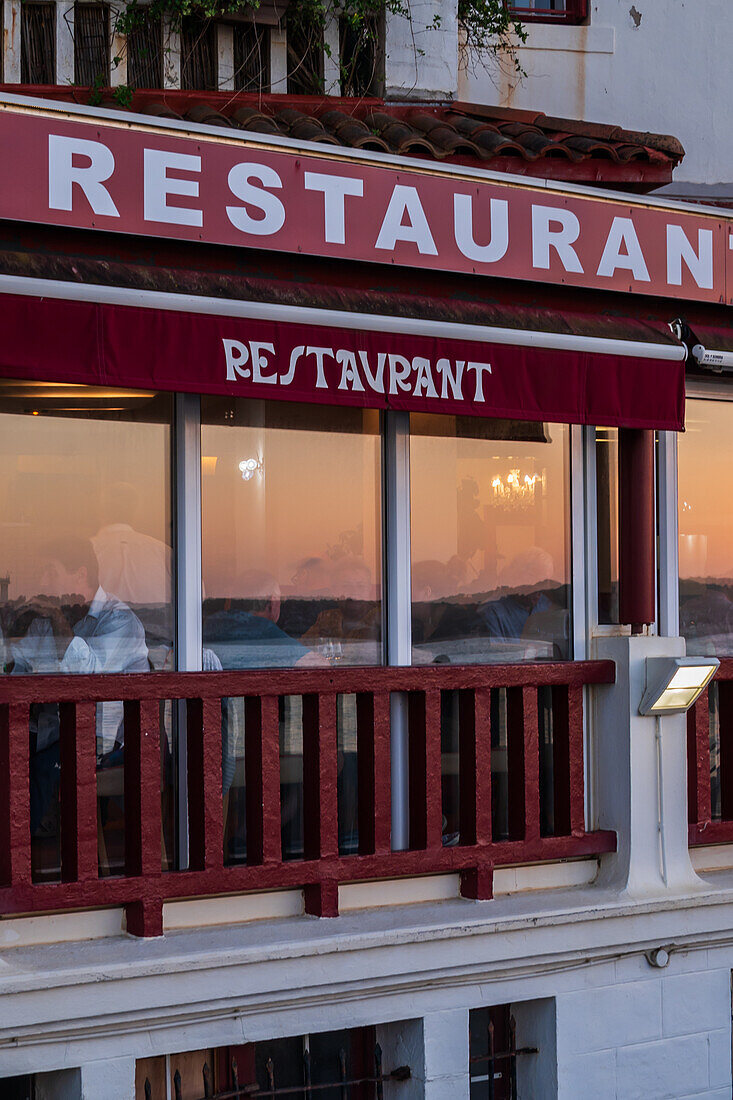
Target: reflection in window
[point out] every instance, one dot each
(291, 554)
(491, 579)
(85, 570)
(706, 529)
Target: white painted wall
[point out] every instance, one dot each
(650, 65)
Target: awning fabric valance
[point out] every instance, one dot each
(286, 353)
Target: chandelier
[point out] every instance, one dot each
(516, 490)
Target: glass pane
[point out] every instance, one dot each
(490, 540)
(706, 529)
(291, 538)
(85, 570)
(607, 523)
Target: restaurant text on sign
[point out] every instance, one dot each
(247, 192)
(384, 373)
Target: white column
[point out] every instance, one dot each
(171, 55)
(669, 585)
(114, 1077)
(225, 46)
(278, 60)
(436, 1050)
(118, 50)
(64, 42)
(332, 57)
(641, 776)
(397, 568)
(11, 24)
(421, 59)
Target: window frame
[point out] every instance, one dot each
(576, 11)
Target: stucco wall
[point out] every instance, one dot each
(659, 65)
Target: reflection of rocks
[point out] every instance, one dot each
(706, 617)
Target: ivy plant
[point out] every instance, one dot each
(489, 33)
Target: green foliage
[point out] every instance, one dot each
(489, 32)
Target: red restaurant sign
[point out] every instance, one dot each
(145, 179)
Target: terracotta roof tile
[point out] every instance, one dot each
(500, 138)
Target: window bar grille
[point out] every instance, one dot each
(38, 44)
(492, 1058)
(308, 1089)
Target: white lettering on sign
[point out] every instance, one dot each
(63, 173)
(623, 234)
(256, 361)
(273, 211)
(463, 226)
(315, 204)
(699, 264)
(405, 200)
(158, 185)
(562, 239)
(335, 189)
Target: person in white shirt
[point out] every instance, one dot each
(106, 637)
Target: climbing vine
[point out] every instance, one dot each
(489, 33)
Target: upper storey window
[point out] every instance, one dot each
(549, 11)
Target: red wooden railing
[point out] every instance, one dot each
(145, 886)
(707, 775)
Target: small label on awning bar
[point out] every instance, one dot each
(142, 348)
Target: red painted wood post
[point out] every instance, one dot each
(262, 778)
(320, 799)
(515, 762)
(433, 770)
(15, 813)
(78, 754)
(143, 815)
(204, 749)
(417, 773)
(725, 724)
(531, 764)
(636, 527)
(374, 767)
(474, 725)
(576, 766)
(698, 762)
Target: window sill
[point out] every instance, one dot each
(569, 38)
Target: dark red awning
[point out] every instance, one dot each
(283, 352)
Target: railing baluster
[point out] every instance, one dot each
(567, 761)
(474, 726)
(426, 801)
(320, 798)
(143, 814)
(15, 807)
(698, 758)
(725, 725)
(262, 776)
(204, 741)
(382, 762)
(78, 754)
(531, 764)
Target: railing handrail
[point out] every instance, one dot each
(147, 686)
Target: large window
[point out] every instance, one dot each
(706, 529)
(490, 540)
(86, 569)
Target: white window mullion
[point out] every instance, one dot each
(187, 481)
(397, 569)
(667, 489)
(118, 49)
(578, 546)
(331, 56)
(278, 60)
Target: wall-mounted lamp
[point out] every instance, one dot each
(674, 683)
